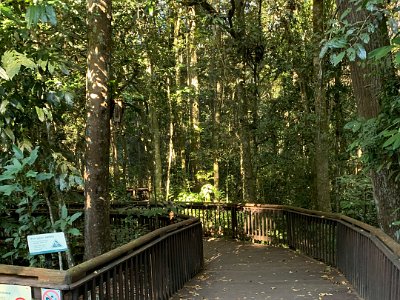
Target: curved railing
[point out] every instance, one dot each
(154, 266)
(367, 257)
(158, 264)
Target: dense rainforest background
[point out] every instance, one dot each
(241, 101)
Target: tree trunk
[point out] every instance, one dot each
(97, 226)
(155, 128)
(246, 157)
(367, 82)
(193, 84)
(321, 158)
(171, 140)
(155, 138)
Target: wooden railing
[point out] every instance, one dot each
(368, 258)
(158, 264)
(153, 266)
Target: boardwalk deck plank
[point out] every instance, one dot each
(239, 270)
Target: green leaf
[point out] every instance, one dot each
(51, 15)
(6, 177)
(345, 13)
(397, 57)
(40, 113)
(361, 53)
(3, 74)
(351, 54)
(337, 43)
(17, 152)
(391, 140)
(12, 62)
(396, 144)
(32, 15)
(30, 160)
(365, 38)
(396, 40)
(74, 231)
(31, 173)
(64, 212)
(354, 126)
(8, 189)
(337, 58)
(8, 254)
(3, 105)
(9, 133)
(74, 217)
(43, 176)
(380, 52)
(29, 191)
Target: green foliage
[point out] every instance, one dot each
(40, 13)
(22, 191)
(65, 223)
(356, 197)
(379, 138)
(347, 39)
(12, 62)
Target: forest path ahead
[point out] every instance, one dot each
(239, 270)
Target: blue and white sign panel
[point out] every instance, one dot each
(47, 243)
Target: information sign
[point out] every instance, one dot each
(47, 243)
(15, 292)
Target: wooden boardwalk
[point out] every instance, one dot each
(238, 270)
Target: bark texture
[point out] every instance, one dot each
(97, 229)
(368, 81)
(321, 158)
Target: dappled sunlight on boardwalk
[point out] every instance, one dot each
(238, 270)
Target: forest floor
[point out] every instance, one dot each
(239, 270)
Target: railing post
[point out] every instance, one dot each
(234, 220)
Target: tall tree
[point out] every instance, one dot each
(370, 82)
(321, 155)
(97, 229)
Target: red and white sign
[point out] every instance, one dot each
(49, 294)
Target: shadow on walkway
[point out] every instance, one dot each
(238, 270)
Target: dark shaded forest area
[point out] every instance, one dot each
(240, 101)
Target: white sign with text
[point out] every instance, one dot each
(15, 292)
(47, 243)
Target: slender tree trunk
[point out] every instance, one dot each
(170, 142)
(368, 81)
(321, 158)
(156, 142)
(193, 84)
(246, 158)
(216, 129)
(97, 226)
(155, 128)
(217, 100)
(180, 125)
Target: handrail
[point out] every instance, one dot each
(79, 271)
(358, 250)
(133, 270)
